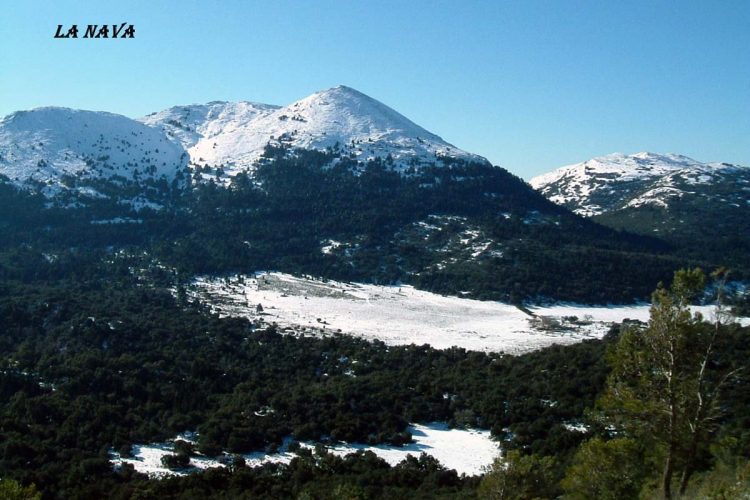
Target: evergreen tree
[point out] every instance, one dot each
(606, 470)
(662, 389)
(11, 490)
(518, 476)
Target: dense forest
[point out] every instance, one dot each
(99, 350)
(91, 367)
(698, 228)
(459, 228)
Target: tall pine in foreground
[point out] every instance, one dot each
(665, 381)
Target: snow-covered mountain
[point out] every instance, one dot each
(619, 182)
(468, 229)
(40, 147)
(194, 123)
(236, 134)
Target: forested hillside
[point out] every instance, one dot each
(462, 228)
(699, 208)
(101, 348)
(92, 365)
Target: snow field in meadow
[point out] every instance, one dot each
(402, 315)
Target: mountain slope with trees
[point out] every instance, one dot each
(701, 208)
(101, 347)
(454, 228)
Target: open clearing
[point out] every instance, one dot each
(402, 315)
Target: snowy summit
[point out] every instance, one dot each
(235, 134)
(43, 147)
(618, 181)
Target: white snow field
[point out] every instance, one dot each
(466, 451)
(194, 123)
(402, 315)
(235, 134)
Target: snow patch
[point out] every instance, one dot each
(467, 451)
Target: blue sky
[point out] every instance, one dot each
(530, 84)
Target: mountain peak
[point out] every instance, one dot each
(350, 112)
(617, 181)
(44, 144)
(340, 118)
(342, 89)
(51, 116)
(344, 95)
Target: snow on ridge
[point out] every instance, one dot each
(189, 124)
(592, 187)
(656, 197)
(44, 144)
(627, 167)
(338, 117)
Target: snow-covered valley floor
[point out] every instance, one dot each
(402, 315)
(466, 451)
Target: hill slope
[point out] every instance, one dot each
(196, 123)
(703, 207)
(42, 147)
(328, 198)
(617, 181)
(341, 118)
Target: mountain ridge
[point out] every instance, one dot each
(336, 118)
(43, 146)
(39, 147)
(703, 209)
(618, 181)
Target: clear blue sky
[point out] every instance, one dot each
(530, 84)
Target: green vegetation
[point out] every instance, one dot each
(96, 365)
(666, 422)
(463, 227)
(100, 347)
(11, 490)
(89, 366)
(698, 226)
(521, 476)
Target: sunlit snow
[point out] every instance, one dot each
(235, 134)
(43, 145)
(402, 315)
(617, 181)
(466, 451)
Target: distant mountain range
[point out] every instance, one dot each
(619, 182)
(340, 185)
(702, 207)
(41, 146)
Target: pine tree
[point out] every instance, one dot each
(661, 390)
